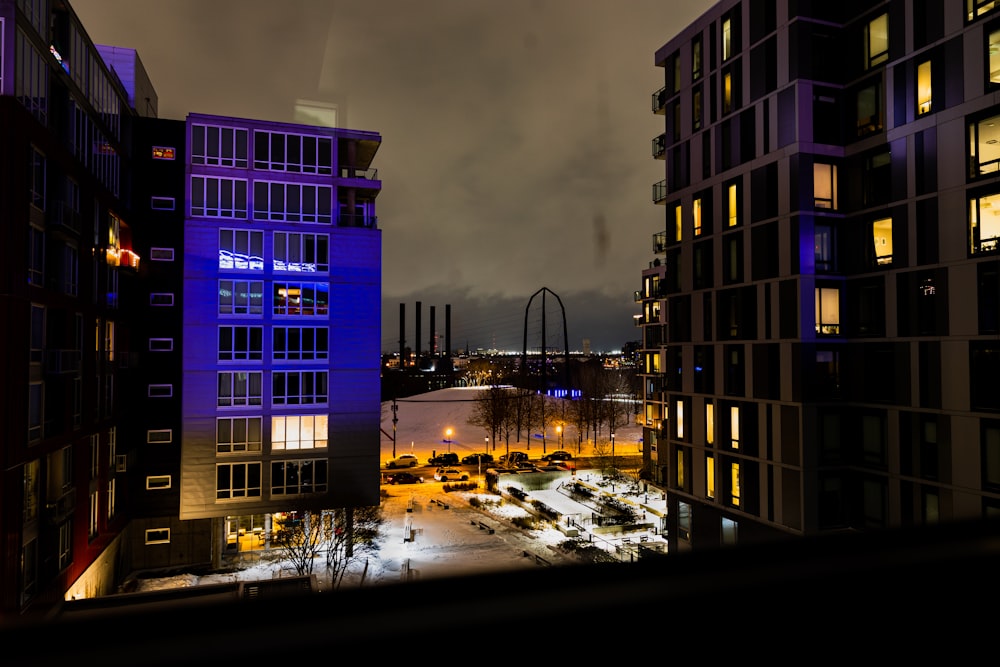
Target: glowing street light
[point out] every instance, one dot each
(447, 437)
(560, 432)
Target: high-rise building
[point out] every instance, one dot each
(821, 324)
(193, 320)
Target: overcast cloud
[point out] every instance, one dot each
(516, 136)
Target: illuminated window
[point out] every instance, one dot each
(710, 476)
(238, 434)
(727, 92)
(301, 343)
(154, 482)
(924, 87)
(984, 223)
(710, 423)
(727, 38)
(735, 483)
(164, 153)
(825, 186)
(302, 299)
(984, 146)
(732, 205)
(882, 239)
(65, 545)
(158, 536)
(976, 8)
(299, 432)
(734, 427)
(298, 477)
(730, 531)
(241, 343)
(300, 387)
(680, 468)
(993, 48)
(680, 420)
(30, 487)
(678, 223)
(696, 216)
(237, 480)
(307, 253)
(876, 41)
(827, 310)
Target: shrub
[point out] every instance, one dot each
(525, 522)
(461, 486)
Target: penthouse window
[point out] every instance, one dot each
(984, 146)
(292, 202)
(219, 146)
(277, 151)
(240, 343)
(218, 197)
(984, 223)
(975, 9)
(307, 253)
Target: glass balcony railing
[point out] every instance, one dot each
(660, 101)
(660, 146)
(660, 191)
(660, 242)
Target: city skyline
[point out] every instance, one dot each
(516, 138)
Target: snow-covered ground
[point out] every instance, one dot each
(429, 532)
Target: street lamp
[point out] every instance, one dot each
(612, 449)
(488, 444)
(394, 420)
(560, 432)
(447, 437)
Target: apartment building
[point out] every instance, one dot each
(192, 354)
(821, 324)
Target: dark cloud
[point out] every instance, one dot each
(516, 135)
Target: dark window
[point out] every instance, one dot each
(825, 237)
(989, 436)
(984, 369)
(788, 309)
(679, 318)
(868, 107)
(988, 297)
(704, 369)
(922, 302)
(706, 316)
(763, 250)
(748, 135)
(763, 19)
(702, 264)
(877, 178)
(767, 372)
(697, 108)
(764, 185)
(763, 69)
(735, 372)
(927, 231)
(929, 373)
(826, 114)
(925, 159)
(732, 258)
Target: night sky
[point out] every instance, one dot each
(516, 136)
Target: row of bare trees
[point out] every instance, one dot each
(606, 402)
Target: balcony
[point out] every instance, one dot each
(59, 509)
(63, 219)
(637, 296)
(353, 172)
(357, 220)
(660, 243)
(660, 147)
(660, 191)
(660, 101)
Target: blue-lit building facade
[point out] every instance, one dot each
(193, 321)
(821, 319)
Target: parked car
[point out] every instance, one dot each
(450, 475)
(402, 461)
(514, 458)
(444, 459)
(405, 478)
(558, 455)
(481, 457)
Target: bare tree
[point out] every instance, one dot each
(489, 410)
(346, 535)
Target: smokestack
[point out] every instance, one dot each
(432, 341)
(402, 335)
(447, 330)
(418, 335)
